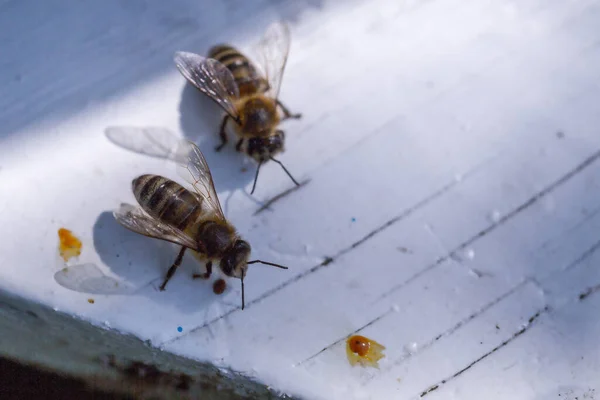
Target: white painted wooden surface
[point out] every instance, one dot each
(452, 149)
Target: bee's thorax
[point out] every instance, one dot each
(258, 116)
(215, 238)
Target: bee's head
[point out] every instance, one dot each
(263, 148)
(235, 262)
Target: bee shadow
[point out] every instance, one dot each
(142, 262)
(200, 120)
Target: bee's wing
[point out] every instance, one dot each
(273, 52)
(211, 77)
(88, 278)
(194, 169)
(151, 141)
(135, 219)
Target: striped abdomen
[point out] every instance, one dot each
(167, 201)
(246, 76)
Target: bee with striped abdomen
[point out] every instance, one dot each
(249, 99)
(192, 219)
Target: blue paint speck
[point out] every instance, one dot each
(353, 219)
(179, 329)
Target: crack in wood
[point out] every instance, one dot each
(585, 255)
(589, 291)
(515, 335)
(462, 322)
(400, 217)
(448, 332)
(587, 162)
(269, 203)
(268, 293)
(345, 337)
(589, 215)
(503, 220)
(329, 260)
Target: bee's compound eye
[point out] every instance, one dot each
(275, 143)
(242, 246)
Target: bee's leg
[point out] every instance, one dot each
(173, 268)
(286, 112)
(238, 146)
(205, 275)
(222, 133)
(266, 86)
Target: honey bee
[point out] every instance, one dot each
(192, 219)
(248, 98)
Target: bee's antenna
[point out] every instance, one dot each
(256, 177)
(243, 301)
(267, 263)
(285, 169)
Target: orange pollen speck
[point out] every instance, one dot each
(364, 351)
(219, 286)
(69, 245)
(359, 345)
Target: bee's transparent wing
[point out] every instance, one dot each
(211, 77)
(88, 278)
(152, 141)
(194, 169)
(273, 52)
(135, 219)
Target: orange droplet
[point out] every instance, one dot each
(219, 286)
(69, 246)
(360, 345)
(364, 351)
